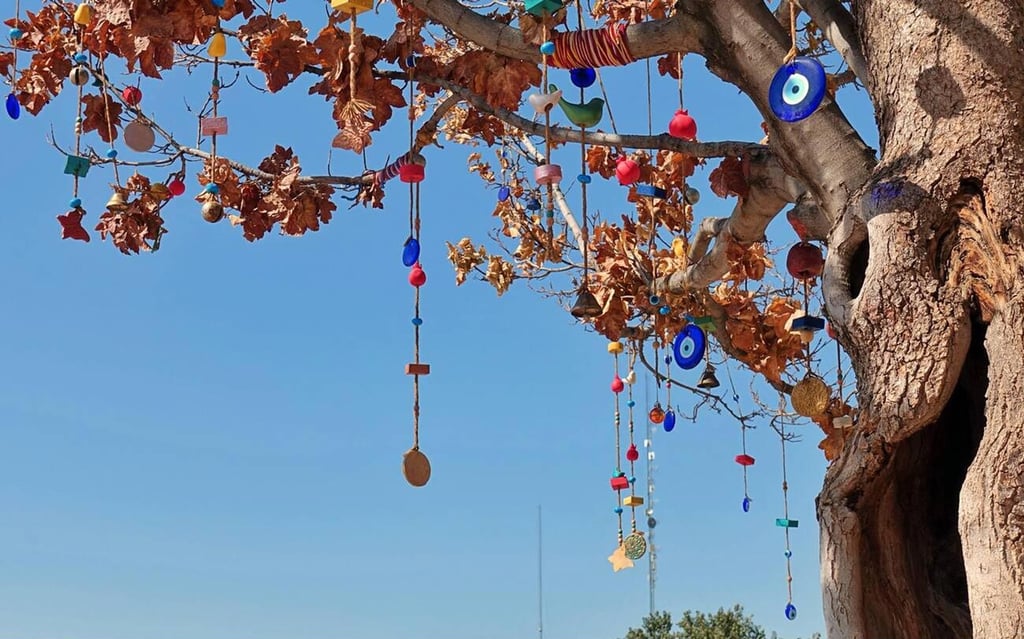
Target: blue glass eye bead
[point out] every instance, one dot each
(13, 106)
(632, 480)
(790, 611)
(670, 420)
(410, 61)
(503, 193)
(583, 178)
(789, 554)
(668, 359)
(411, 252)
(417, 321)
(548, 48)
(75, 203)
(211, 188)
(533, 204)
(654, 300)
(797, 89)
(746, 504)
(582, 78)
(111, 154)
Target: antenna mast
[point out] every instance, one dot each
(540, 576)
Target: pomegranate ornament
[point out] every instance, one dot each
(683, 126)
(626, 170)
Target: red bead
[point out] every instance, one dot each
(176, 187)
(626, 170)
(744, 460)
(632, 454)
(657, 415)
(410, 173)
(619, 483)
(617, 385)
(682, 126)
(416, 275)
(805, 261)
(132, 95)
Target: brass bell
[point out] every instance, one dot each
(117, 202)
(213, 212)
(586, 306)
(708, 379)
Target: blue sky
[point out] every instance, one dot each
(205, 442)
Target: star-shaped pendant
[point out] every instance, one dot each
(71, 226)
(619, 560)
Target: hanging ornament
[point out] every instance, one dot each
(411, 251)
(797, 89)
(176, 186)
(139, 136)
(683, 126)
(582, 115)
(583, 78)
(213, 211)
(79, 75)
(218, 45)
(83, 14)
(689, 346)
(810, 396)
(805, 261)
(626, 170)
(786, 523)
(543, 102)
(132, 96)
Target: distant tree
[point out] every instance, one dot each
(724, 624)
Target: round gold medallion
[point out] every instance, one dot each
(416, 467)
(810, 396)
(635, 545)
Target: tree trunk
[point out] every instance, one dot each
(922, 519)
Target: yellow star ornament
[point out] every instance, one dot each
(619, 560)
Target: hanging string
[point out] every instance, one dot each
(215, 97)
(647, 61)
(550, 206)
(618, 450)
(414, 232)
(785, 514)
(112, 154)
(792, 33)
(631, 454)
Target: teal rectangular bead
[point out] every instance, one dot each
(77, 165)
(787, 523)
(540, 7)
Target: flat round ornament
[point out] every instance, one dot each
(416, 467)
(635, 545)
(139, 136)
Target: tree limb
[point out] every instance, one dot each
(838, 26)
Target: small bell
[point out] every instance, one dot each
(213, 211)
(117, 202)
(79, 75)
(708, 379)
(83, 14)
(586, 306)
(218, 46)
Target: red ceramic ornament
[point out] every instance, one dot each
(132, 95)
(805, 261)
(416, 275)
(626, 170)
(632, 454)
(176, 187)
(411, 173)
(71, 226)
(617, 385)
(683, 126)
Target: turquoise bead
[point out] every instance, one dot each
(81, 58)
(211, 188)
(417, 321)
(548, 48)
(632, 480)
(618, 511)
(664, 310)
(619, 473)
(111, 153)
(583, 178)
(15, 33)
(631, 403)
(75, 203)
(789, 554)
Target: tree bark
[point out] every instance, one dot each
(922, 519)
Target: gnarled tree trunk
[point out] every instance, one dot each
(922, 519)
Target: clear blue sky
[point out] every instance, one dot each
(205, 443)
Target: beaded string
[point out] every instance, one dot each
(212, 187)
(593, 48)
(13, 106)
(618, 436)
(790, 608)
(583, 178)
(631, 453)
(78, 116)
(550, 206)
(414, 232)
(111, 152)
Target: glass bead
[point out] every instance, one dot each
(13, 106)
(583, 178)
(411, 251)
(111, 153)
(81, 58)
(417, 321)
(789, 554)
(618, 510)
(211, 188)
(75, 203)
(548, 48)
(746, 504)
(631, 403)
(670, 420)
(583, 78)
(503, 193)
(632, 480)
(15, 33)
(790, 611)
(654, 300)
(664, 310)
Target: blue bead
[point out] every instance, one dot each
(789, 554)
(411, 251)
(15, 33)
(410, 61)
(618, 511)
(664, 310)
(533, 204)
(13, 106)
(583, 178)
(582, 78)
(417, 321)
(632, 480)
(111, 153)
(670, 420)
(75, 203)
(746, 504)
(790, 611)
(631, 403)
(211, 188)
(548, 48)
(654, 300)
(81, 58)
(668, 359)
(218, 3)
(503, 193)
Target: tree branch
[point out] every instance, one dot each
(838, 26)
(647, 39)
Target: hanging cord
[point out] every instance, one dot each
(785, 514)
(647, 61)
(110, 123)
(78, 116)
(16, 46)
(743, 439)
(550, 206)
(792, 33)
(414, 231)
(807, 311)
(215, 97)
(618, 451)
(632, 442)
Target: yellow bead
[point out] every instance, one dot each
(83, 14)
(633, 500)
(352, 6)
(614, 348)
(218, 45)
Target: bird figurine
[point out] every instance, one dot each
(582, 115)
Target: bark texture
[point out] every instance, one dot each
(922, 519)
